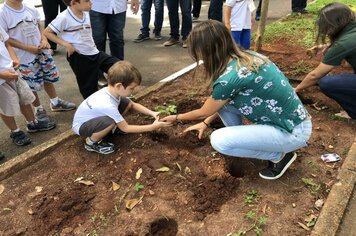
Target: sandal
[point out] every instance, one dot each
(20, 138)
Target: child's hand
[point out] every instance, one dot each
(44, 44)
(9, 75)
(15, 64)
(155, 114)
(170, 119)
(33, 49)
(158, 124)
(70, 49)
(200, 127)
(135, 5)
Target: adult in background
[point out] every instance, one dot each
(215, 10)
(146, 6)
(50, 9)
(185, 7)
(245, 83)
(196, 9)
(108, 17)
(298, 6)
(335, 25)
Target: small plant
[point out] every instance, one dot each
(251, 197)
(166, 110)
(311, 185)
(250, 215)
(92, 233)
(138, 187)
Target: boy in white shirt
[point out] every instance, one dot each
(72, 29)
(237, 18)
(15, 96)
(37, 67)
(103, 111)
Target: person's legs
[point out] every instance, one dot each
(341, 88)
(50, 10)
(95, 130)
(146, 16)
(236, 35)
(172, 6)
(258, 11)
(196, 8)
(215, 10)
(105, 61)
(299, 5)
(159, 13)
(256, 141)
(98, 23)
(185, 7)
(245, 41)
(115, 28)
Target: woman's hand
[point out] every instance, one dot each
(313, 51)
(200, 127)
(155, 115)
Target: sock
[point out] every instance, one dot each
(89, 141)
(32, 122)
(38, 108)
(54, 101)
(15, 130)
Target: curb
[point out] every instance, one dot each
(35, 154)
(335, 205)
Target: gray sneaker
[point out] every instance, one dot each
(40, 126)
(63, 106)
(41, 115)
(158, 36)
(100, 147)
(141, 37)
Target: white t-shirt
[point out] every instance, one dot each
(240, 14)
(100, 103)
(23, 26)
(109, 6)
(75, 31)
(5, 59)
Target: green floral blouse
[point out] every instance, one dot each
(264, 98)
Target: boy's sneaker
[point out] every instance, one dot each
(171, 41)
(20, 138)
(41, 115)
(63, 106)
(141, 37)
(158, 36)
(40, 126)
(194, 19)
(100, 147)
(276, 170)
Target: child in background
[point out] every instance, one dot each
(15, 96)
(37, 67)
(237, 18)
(72, 30)
(103, 111)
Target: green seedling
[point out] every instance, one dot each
(250, 215)
(138, 187)
(258, 230)
(251, 197)
(311, 185)
(166, 110)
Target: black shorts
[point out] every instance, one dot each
(100, 123)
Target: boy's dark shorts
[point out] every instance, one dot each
(100, 123)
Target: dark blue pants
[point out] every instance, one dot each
(50, 10)
(341, 88)
(298, 5)
(185, 7)
(196, 8)
(215, 10)
(146, 6)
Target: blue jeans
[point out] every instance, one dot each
(196, 8)
(215, 10)
(146, 16)
(341, 88)
(242, 38)
(185, 7)
(112, 25)
(256, 141)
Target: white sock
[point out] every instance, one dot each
(38, 108)
(15, 130)
(54, 101)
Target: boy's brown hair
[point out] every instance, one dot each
(125, 73)
(68, 2)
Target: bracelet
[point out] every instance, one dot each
(207, 125)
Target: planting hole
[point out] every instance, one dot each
(159, 136)
(163, 227)
(235, 166)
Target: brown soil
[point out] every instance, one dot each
(203, 193)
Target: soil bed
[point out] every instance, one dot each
(199, 195)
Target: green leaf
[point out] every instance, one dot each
(138, 187)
